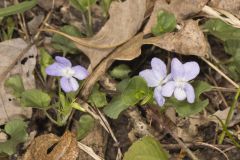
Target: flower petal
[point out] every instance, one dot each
(177, 69)
(69, 84)
(168, 89)
(191, 70)
(190, 93)
(80, 72)
(64, 61)
(159, 68)
(150, 78)
(158, 96)
(55, 69)
(180, 94)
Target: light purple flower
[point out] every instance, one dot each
(156, 77)
(179, 85)
(63, 68)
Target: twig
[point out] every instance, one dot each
(229, 18)
(223, 89)
(196, 145)
(89, 151)
(220, 72)
(168, 125)
(213, 147)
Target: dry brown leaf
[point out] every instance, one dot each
(223, 116)
(48, 4)
(125, 20)
(232, 6)
(96, 140)
(189, 40)
(127, 51)
(11, 52)
(64, 148)
(188, 129)
(182, 9)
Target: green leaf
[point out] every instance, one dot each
(17, 8)
(166, 22)
(135, 91)
(146, 148)
(35, 98)
(222, 30)
(65, 108)
(105, 4)
(184, 108)
(233, 70)
(7, 35)
(84, 126)
(15, 83)
(82, 5)
(16, 129)
(121, 71)
(64, 44)
(232, 46)
(97, 98)
(45, 61)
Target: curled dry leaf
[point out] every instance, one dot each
(127, 51)
(125, 20)
(63, 148)
(232, 6)
(189, 40)
(182, 9)
(17, 57)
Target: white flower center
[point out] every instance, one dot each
(180, 83)
(68, 72)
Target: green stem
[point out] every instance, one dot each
(51, 119)
(230, 115)
(88, 19)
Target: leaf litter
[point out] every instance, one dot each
(134, 33)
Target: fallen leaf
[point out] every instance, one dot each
(182, 9)
(34, 24)
(125, 20)
(189, 40)
(95, 139)
(188, 129)
(64, 148)
(47, 5)
(17, 57)
(223, 116)
(127, 51)
(232, 6)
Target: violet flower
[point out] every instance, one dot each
(156, 77)
(63, 68)
(179, 85)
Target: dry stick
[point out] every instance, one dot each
(89, 151)
(230, 19)
(197, 145)
(213, 147)
(223, 89)
(168, 125)
(103, 121)
(22, 23)
(220, 72)
(219, 92)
